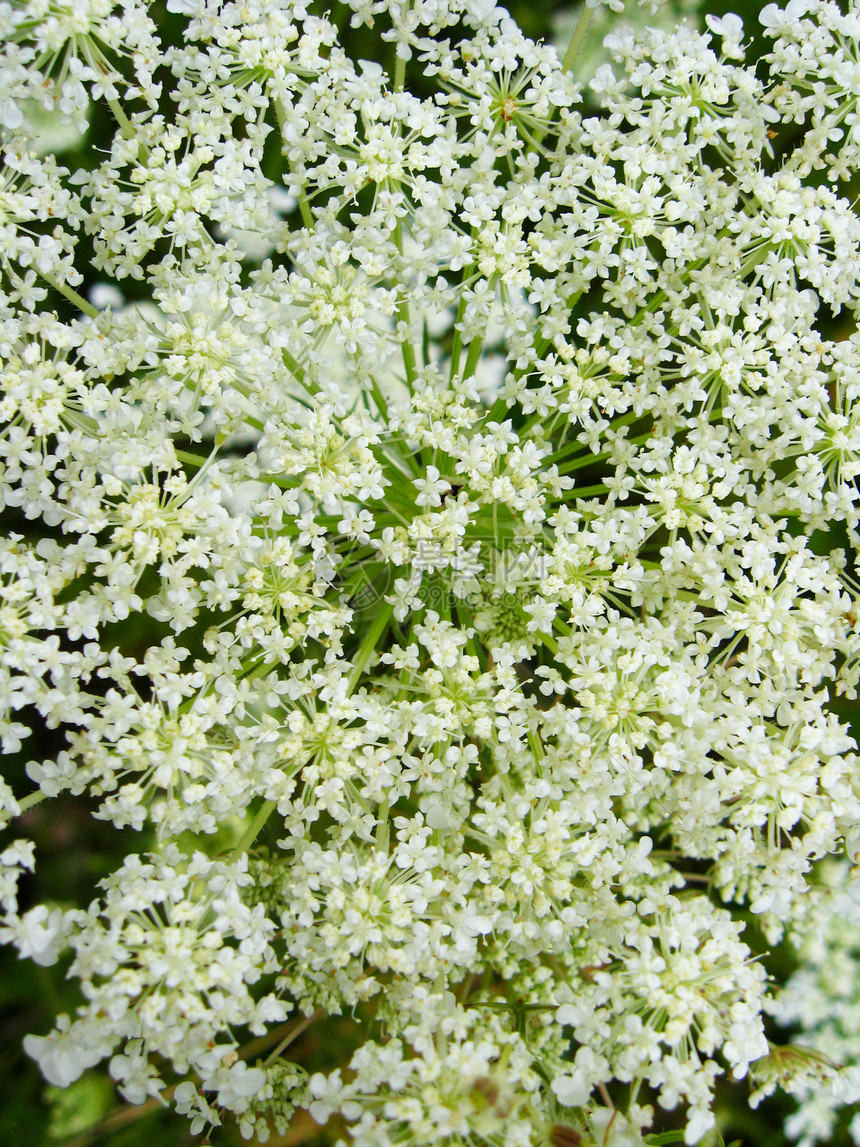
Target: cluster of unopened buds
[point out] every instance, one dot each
(432, 523)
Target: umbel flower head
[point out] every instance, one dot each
(433, 509)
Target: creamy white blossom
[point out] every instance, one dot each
(475, 458)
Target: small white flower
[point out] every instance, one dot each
(430, 488)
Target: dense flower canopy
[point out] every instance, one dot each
(482, 453)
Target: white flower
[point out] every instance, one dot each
(488, 453)
(67, 1052)
(574, 1088)
(430, 488)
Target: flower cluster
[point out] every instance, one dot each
(819, 1002)
(161, 978)
(476, 456)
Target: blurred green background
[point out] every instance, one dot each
(74, 851)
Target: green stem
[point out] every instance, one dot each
(32, 799)
(188, 459)
(74, 298)
(577, 39)
(298, 373)
(578, 463)
(293, 1034)
(379, 399)
(254, 828)
(368, 645)
(304, 205)
(125, 126)
(404, 316)
(535, 745)
(399, 64)
(476, 346)
(576, 42)
(457, 344)
(585, 492)
(561, 626)
(382, 829)
(473, 357)
(549, 641)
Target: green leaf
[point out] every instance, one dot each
(79, 1106)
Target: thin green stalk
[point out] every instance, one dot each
(292, 1035)
(400, 66)
(404, 316)
(579, 463)
(125, 125)
(382, 829)
(304, 205)
(31, 800)
(586, 492)
(74, 298)
(297, 371)
(562, 627)
(379, 399)
(473, 357)
(368, 645)
(576, 42)
(457, 343)
(189, 459)
(578, 38)
(549, 641)
(254, 828)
